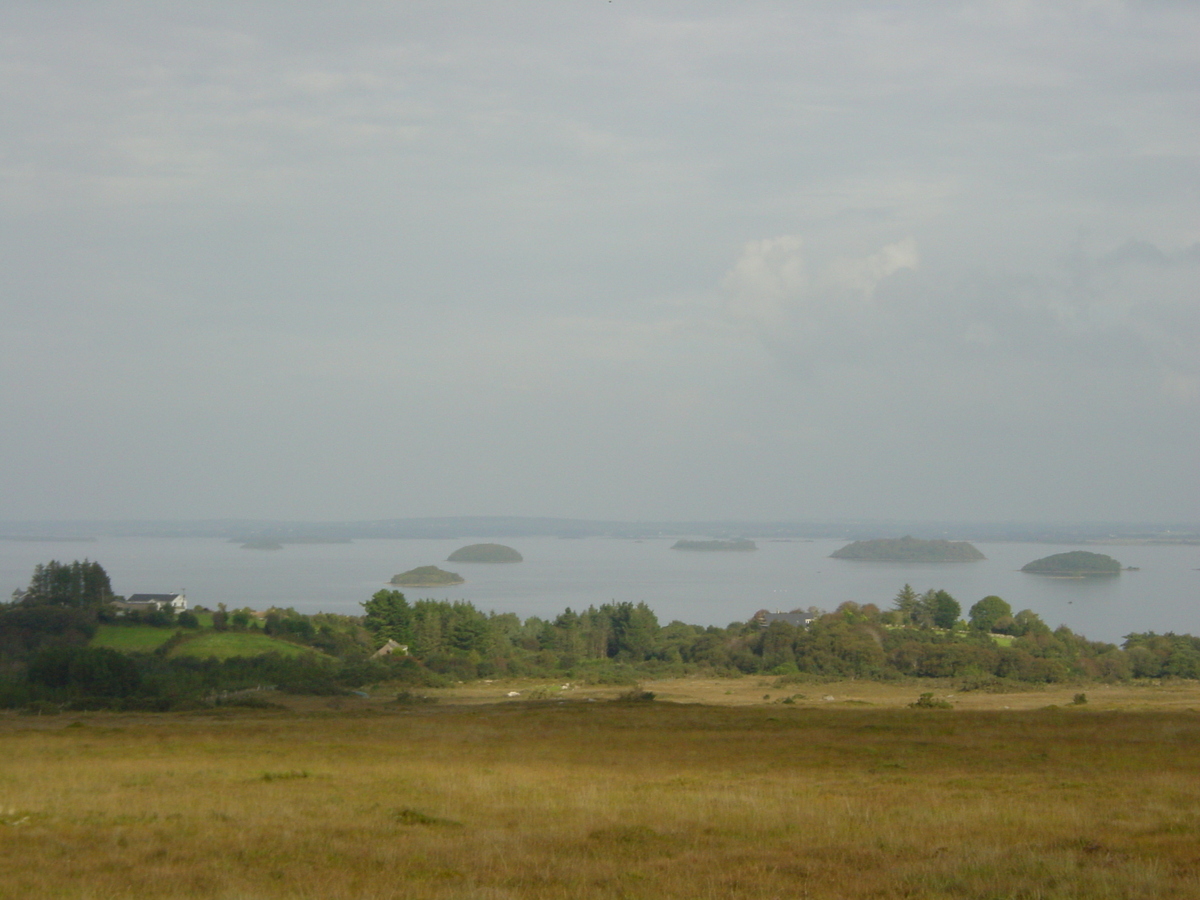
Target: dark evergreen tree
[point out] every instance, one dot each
(389, 617)
(76, 584)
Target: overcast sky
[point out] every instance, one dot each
(600, 259)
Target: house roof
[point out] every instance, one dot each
(389, 648)
(152, 598)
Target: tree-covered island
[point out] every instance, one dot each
(485, 553)
(909, 549)
(714, 545)
(1074, 564)
(427, 576)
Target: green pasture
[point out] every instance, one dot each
(131, 638)
(221, 644)
(224, 644)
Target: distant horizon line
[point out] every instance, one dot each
(598, 519)
(562, 526)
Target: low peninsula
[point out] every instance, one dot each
(427, 576)
(1075, 564)
(714, 545)
(909, 549)
(262, 544)
(485, 553)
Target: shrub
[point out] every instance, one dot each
(410, 672)
(85, 671)
(315, 686)
(928, 701)
(636, 695)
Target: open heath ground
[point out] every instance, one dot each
(741, 796)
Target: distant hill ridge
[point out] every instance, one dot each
(714, 545)
(909, 549)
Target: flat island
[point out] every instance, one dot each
(262, 544)
(485, 553)
(1075, 564)
(909, 549)
(714, 545)
(427, 576)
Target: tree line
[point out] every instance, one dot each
(920, 635)
(46, 654)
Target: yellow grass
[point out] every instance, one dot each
(769, 690)
(349, 798)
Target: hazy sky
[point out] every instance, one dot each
(600, 259)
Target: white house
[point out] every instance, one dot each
(177, 602)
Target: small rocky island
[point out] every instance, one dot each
(485, 553)
(714, 545)
(427, 576)
(1075, 564)
(909, 549)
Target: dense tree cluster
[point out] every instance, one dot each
(920, 636)
(79, 584)
(933, 609)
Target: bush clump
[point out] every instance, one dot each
(636, 695)
(928, 701)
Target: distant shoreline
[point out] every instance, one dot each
(46, 539)
(426, 584)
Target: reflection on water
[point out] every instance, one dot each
(695, 587)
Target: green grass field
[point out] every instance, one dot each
(224, 644)
(131, 638)
(556, 800)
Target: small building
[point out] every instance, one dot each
(389, 648)
(148, 602)
(763, 618)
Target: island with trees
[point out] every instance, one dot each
(909, 549)
(485, 553)
(427, 576)
(1074, 564)
(737, 545)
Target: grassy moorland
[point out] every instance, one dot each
(854, 797)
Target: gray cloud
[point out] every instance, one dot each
(665, 259)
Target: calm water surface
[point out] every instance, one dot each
(695, 587)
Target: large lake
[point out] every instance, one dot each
(703, 588)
